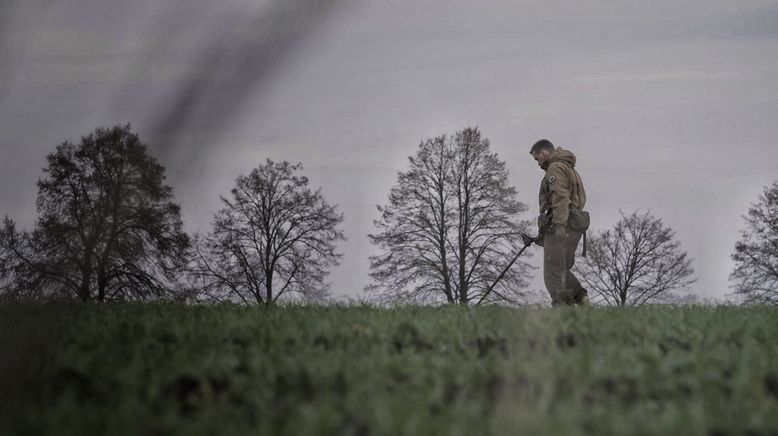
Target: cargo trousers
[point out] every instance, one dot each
(559, 247)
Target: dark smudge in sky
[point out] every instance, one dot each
(234, 63)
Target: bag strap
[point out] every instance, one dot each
(575, 185)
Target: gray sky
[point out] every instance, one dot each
(669, 105)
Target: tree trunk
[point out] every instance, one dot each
(269, 286)
(446, 277)
(444, 261)
(101, 285)
(83, 289)
(463, 288)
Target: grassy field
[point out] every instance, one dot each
(165, 369)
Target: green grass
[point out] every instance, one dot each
(165, 369)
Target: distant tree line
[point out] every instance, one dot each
(108, 229)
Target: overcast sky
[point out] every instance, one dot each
(669, 105)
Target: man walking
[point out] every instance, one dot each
(561, 223)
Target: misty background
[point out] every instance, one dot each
(669, 106)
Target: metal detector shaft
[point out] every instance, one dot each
(505, 270)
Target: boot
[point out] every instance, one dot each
(582, 298)
(564, 297)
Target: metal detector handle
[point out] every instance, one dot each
(505, 270)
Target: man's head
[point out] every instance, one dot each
(541, 151)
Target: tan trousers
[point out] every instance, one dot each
(558, 258)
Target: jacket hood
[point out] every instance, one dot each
(561, 155)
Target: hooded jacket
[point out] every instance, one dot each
(561, 189)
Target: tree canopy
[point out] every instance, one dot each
(452, 222)
(107, 225)
(638, 261)
(755, 275)
(274, 237)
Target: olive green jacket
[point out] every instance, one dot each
(561, 189)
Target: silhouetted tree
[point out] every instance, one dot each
(107, 227)
(451, 224)
(273, 237)
(636, 262)
(756, 254)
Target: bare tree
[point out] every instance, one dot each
(756, 254)
(107, 226)
(273, 237)
(414, 228)
(452, 223)
(636, 262)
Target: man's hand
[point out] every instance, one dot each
(529, 240)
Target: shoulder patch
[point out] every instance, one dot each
(551, 179)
